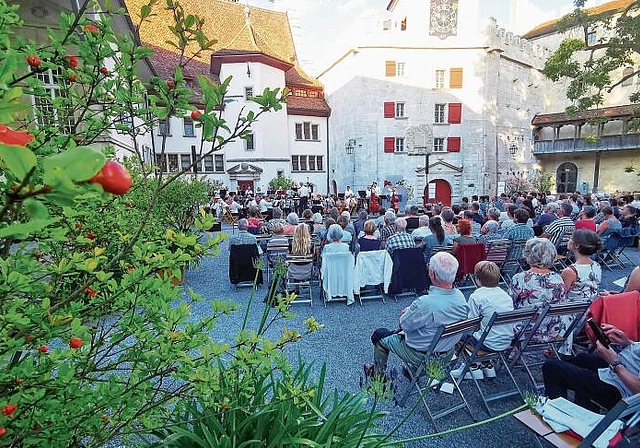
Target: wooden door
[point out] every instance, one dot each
(438, 190)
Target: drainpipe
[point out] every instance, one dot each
(596, 172)
(327, 162)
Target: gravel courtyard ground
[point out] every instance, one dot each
(344, 345)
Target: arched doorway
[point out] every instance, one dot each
(567, 178)
(438, 190)
(334, 187)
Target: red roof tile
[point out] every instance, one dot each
(585, 115)
(307, 106)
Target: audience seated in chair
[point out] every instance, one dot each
(292, 222)
(276, 212)
(539, 286)
(488, 299)
(334, 237)
(301, 244)
(464, 235)
(243, 236)
(400, 239)
(435, 239)
(582, 279)
(420, 321)
(604, 377)
(369, 241)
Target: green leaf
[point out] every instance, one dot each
(79, 164)
(24, 229)
(35, 209)
(19, 159)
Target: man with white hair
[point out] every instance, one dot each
(401, 239)
(490, 231)
(243, 236)
(389, 225)
(548, 216)
(419, 322)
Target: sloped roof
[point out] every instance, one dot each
(307, 106)
(585, 115)
(549, 26)
(265, 31)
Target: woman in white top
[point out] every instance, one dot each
(582, 279)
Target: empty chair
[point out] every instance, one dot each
(468, 255)
(242, 260)
(338, 276)
(409, 271)
(374, 268)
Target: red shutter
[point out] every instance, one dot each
(453, 144)
(389, 109)
(389, 144)
(455, 112)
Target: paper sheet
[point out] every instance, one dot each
(620, 282)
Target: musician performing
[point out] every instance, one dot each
(374, 198)
(350, 201)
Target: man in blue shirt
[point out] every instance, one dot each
(419, 322)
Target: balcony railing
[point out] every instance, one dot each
(604, 143)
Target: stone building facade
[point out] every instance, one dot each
(588, 151)
(432, 79)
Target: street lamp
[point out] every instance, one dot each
(350, 149)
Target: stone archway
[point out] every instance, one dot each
(567, 178)
(438, 190)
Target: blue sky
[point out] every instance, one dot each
(325, 29)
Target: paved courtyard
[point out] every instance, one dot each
(344, 345)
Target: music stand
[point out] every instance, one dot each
(362, 194)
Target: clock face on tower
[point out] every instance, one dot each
(444, 18)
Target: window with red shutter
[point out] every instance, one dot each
(389, 109)
(453, 144)
(389, 144)
(455, 113)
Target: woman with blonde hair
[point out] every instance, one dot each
(301, 240)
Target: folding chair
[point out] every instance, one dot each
(621, 310)
(300, 275)
(627, 237)
(441, 350)
(276, 250)
(409, 272)
(468, 255)
(513, 263)
(338, 277)
(242, 270)
(563, 257)
(373, 268)
(627, 410)
(576, 310)
(472, 353)
(608, 256)
(497, 251)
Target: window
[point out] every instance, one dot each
(185, 161)
(389, 109)
(163, 127)
(48, 114)
(455, 113)
(219, 163)
(161, 162)
(386, 25)
(189, 130)
(439, 79)
(248, 93)
(173, 162)
(439, 113)
(627, 74)
(389, 144)
(399, 110)
(399, 144)
(403, 24)
(300, 92)
(453, 144)
(438, 145)
(390, 68)
(314, 94)
(307, 131)
(592, 38)
(208, 164)
(306, 163)
(400, 69)
(455, 78)
(250, 143)
(566, 178)
(124, 123)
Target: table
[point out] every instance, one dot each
(537, 425)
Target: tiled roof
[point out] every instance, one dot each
(265, 32)
(307, 106)
(606, 8)
(585, 115)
